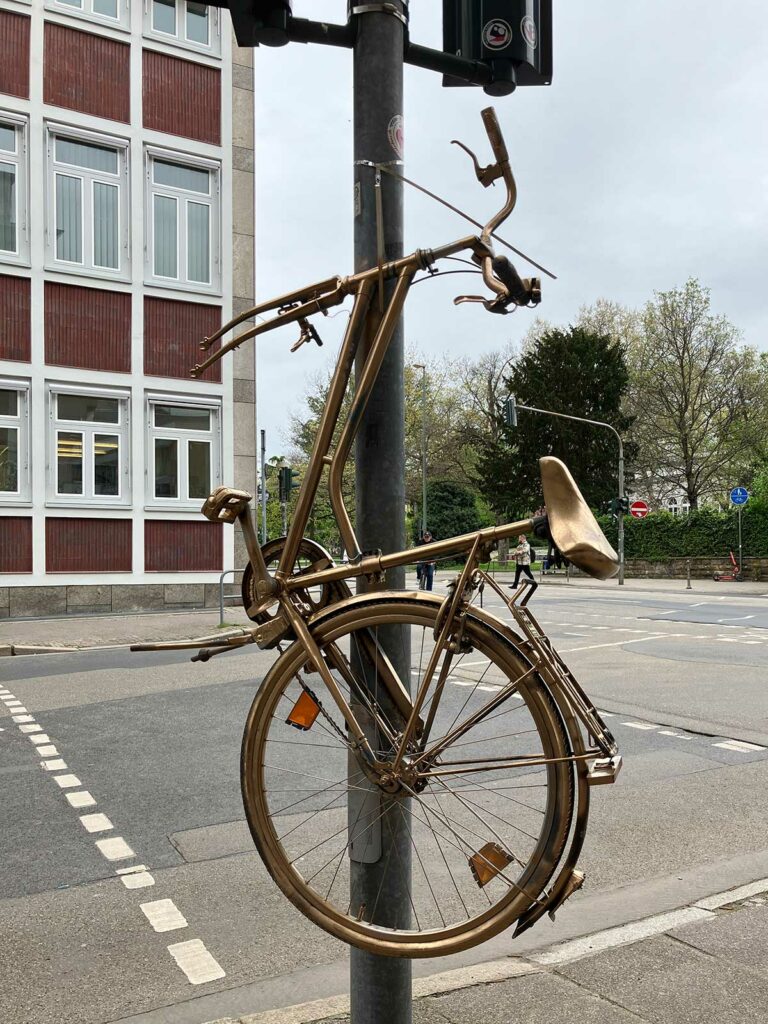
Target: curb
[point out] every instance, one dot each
(546, 960)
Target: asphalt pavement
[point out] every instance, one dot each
(152, 742)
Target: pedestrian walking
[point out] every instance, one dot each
(523, 563)
(425, 570)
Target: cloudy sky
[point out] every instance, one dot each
(645, 163)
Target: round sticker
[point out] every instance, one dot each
(396, 134)
(530, 33)
(497, 34)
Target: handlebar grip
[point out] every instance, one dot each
(511, 280)
(495, 137)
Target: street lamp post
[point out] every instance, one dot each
(594, 423)
(422, 367)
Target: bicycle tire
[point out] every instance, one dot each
(265, 736)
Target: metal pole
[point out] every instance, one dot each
(688, 584)
(263, 487)
(739, 512)
(423, 450)
(380, 987)
(284, 510)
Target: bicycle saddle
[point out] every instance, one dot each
(574, 529)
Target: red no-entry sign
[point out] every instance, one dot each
(639, 509)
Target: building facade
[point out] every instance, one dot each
(126, 236)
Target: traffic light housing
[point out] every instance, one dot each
(514, 37)
(510, 411)
(622, 505)
(286, 482)
(258, 22)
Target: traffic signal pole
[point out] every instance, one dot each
(380, 987)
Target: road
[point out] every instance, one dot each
(153, 743)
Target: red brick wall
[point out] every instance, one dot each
(15, 339)
(87, 73)
(172, 546)
(14, 54)
(87, 327)
(87, 545)
(172, 335)
(182, 98)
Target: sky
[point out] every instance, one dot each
(643, 164)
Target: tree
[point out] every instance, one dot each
(698, 398)
(453, 509)
(571, 371)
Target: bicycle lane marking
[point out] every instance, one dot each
(192, 957)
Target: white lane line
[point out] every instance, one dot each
(163, 915)
(677, 735)
(55, 766)
(11, 702)
(607, 714)
(473, 664)
(574, 634)
(18, 719)
(722, 899)
(739, 745)
(30, 728)
(135, 877)
(623, 643)
(81, 799)
(115, 849)
(96, 822)
(48, 751)
(66, 781)
(39, 737)
(196, 962)
(640, 725)
(736, 618)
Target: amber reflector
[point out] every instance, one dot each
(488, 862)
(304, 712)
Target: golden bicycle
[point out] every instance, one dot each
(483, 746)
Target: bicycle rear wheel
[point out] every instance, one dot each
(485, 820)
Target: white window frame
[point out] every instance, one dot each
(84, 10)
(88, 179)
(89, 429)
(19, 422)
(179, 37)
(183, 436)
(183, 198)
(20, 161)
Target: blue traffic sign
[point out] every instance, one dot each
(739, 495)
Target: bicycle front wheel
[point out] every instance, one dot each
(480, 823)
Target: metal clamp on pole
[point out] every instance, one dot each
(380, 9)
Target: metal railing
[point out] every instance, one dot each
(221, 594)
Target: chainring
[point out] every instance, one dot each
(311, 557)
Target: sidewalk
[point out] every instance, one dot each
(707, 962)
(78, 632)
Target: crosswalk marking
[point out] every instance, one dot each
(739, 745)
(163, 915)
(196, 962)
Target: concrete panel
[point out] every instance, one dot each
(245, 473)
(5, 596)
(78, 597)
(242, 118)
(244, 426)
(38, 601)
(242, 391)
(242, 204)
(241, 55)
(137, 597)
(242, 265)
(211, 595)
(242, 159)
(242, 77)
(190, 594)
(92, 609)
(243, 367)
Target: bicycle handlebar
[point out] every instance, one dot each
(495, 137)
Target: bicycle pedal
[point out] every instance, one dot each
(225, 504)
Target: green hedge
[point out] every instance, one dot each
(702, 533)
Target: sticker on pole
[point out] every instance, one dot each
(739, 495)
(396, 134)
(639, 509)
(497, 34)
(529, 31)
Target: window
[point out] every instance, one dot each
(13, 192)
(88, 220)
(89, 437)
(183, 223)
(182, 451)
(112, 12)
(14, 442)
(185, 23)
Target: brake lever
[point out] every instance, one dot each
(485, 175)
(308, 333)
(492, 305)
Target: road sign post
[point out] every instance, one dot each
(739, 498)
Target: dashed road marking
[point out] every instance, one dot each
(18, 719)
(81, 799)
(196, 962)
(55, 766)
(115, 849)
(30, 728)
(96, 822)
(677, 735)
(640, 725)
(39, 737)
(66, 781)
(625, 643)
(739, 745)
(135, 877)
(48, 751)
(163, 915)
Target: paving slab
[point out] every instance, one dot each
(738, 936)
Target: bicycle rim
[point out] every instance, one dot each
(482, 845)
